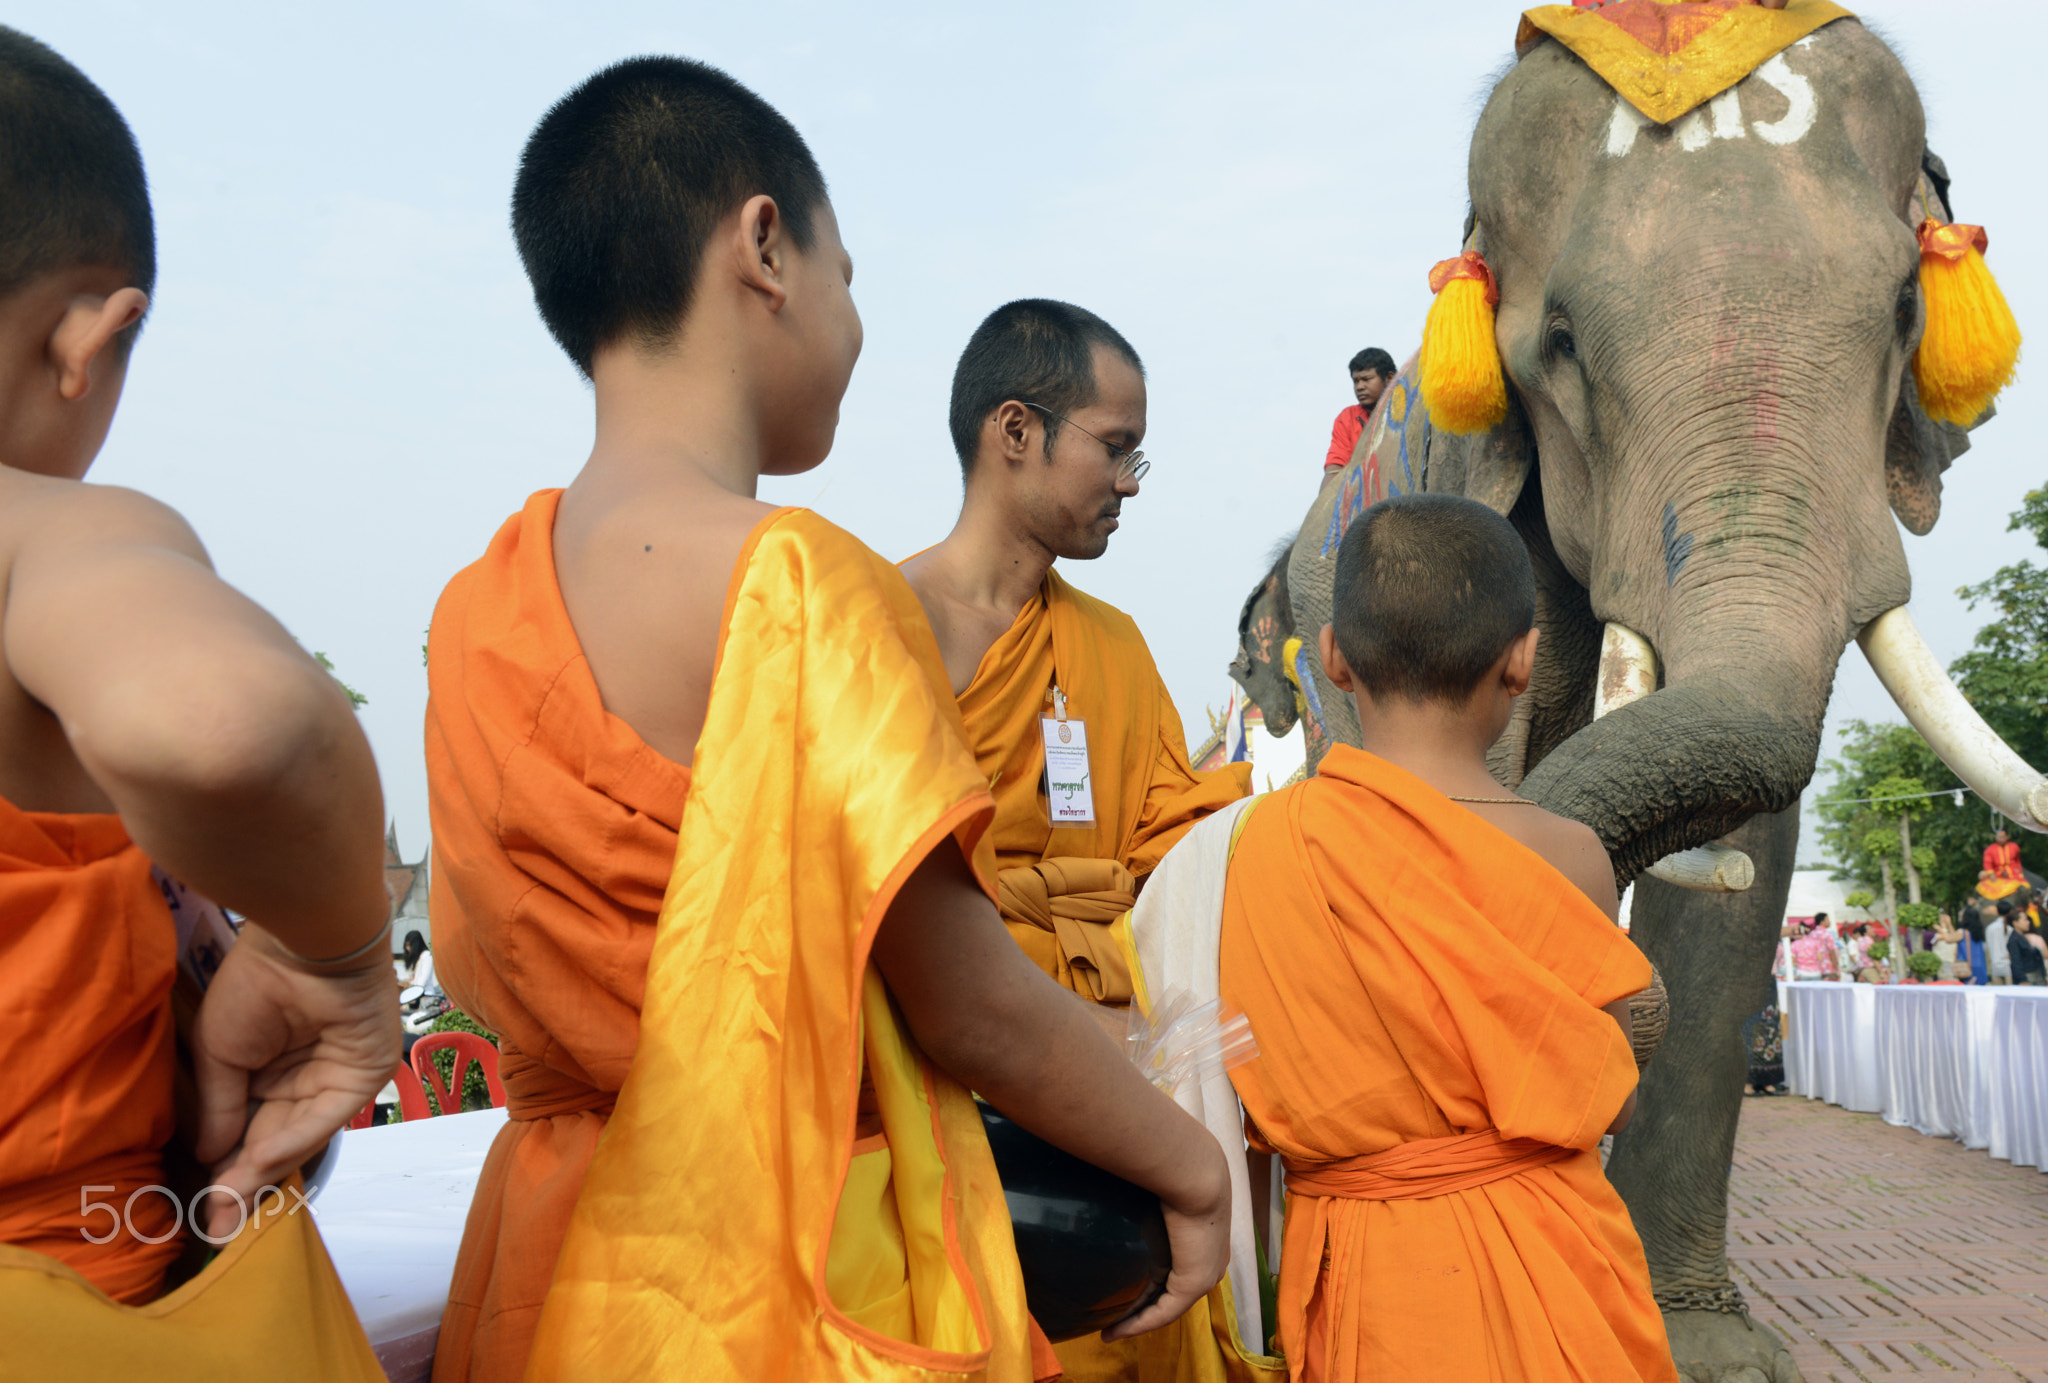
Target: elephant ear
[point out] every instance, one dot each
(1264, 626)
(1918, 448)
(1491, 467)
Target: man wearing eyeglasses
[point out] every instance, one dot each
(1063, 704)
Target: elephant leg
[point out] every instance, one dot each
(1671, 1163)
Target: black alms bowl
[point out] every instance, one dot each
(1093, 1246)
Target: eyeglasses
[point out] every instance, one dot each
(1130, 465)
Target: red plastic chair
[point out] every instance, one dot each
(466, 1046)
(412, 1101)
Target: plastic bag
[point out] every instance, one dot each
(1184, 1042)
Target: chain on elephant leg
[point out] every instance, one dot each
(1726, 1297)
(1718, 1343)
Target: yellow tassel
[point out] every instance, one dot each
(1971, 341)
(1461, 378)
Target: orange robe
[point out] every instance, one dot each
(729, 1225)
(554, 829)
(1147, 796)
(1062, 888)
(1436, 1071)
(88, 954)
(2004, 861)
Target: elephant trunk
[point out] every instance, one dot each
(1684, 766)
(1734, 732)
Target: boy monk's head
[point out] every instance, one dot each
(674, 225)
(77, 259)
(1434, 605)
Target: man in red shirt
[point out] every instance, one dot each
(1372, 369)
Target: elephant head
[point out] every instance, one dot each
(1708, 330)
(1263, 627)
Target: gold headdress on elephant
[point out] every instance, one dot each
(1666, 58)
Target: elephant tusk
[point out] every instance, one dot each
(1709, 869)
(1628, 669)
(1628, 672)
(1949, 724)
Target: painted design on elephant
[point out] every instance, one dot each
(1351, 502)
(1721, 118)
(1677, 546)
(1667, 58)
(1264, 630)
(1309, 699)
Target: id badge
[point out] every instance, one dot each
(1070, 795)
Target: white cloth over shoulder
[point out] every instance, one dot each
(1177, 931)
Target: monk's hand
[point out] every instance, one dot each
(308, 1049)
(1198, 1228)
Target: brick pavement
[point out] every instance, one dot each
(1876, 1252)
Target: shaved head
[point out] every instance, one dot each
(1430, 592)
(72, 190)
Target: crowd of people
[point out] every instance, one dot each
(1998, 940)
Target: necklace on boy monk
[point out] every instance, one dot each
(1499, 801)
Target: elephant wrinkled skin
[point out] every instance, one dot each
(1707, 329)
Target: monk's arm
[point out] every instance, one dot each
(1579, 856)
(237, 765)
(1618, 1011)
(987, 1015)
(234, 760)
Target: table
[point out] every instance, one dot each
(391, 1214)
(1831, 1043)
(1968, 1062)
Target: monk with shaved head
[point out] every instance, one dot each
(1440, 995)
(155, 726)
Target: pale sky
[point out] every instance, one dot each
(345, 388)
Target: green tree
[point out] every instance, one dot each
(1885, 772)
(355, 698)
(2005, 675)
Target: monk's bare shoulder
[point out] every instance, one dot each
(39, 506)
(1576, 852)
(48, 525)
(643, 572)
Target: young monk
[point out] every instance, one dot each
(148, 713)
(694, 764)
(1439, 992)
(1048, 413)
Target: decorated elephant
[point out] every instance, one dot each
(1710, 324)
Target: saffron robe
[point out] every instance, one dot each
(88, 952)
(554, 828)
(1062, 889)
(1147, 795)
(731, 1226)
(1435, 1069)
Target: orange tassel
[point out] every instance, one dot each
(1461, 377)
(1971, 341)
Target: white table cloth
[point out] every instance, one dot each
(1968, 1062)
(1831, 1043)
(392, 1216)
(2017, 1074)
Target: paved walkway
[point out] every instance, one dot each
(1878, 1252)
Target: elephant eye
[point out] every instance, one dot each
(1907, 313)
(1563, 343)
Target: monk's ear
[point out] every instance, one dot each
(1334, 667)
(761, 248)
(1013, 426)
(1521, 663)
(86, 333)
